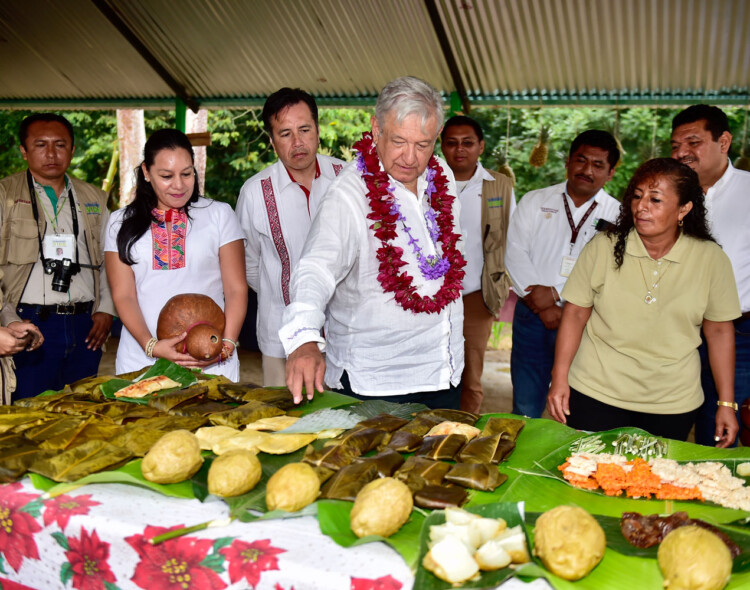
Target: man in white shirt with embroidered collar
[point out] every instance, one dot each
(382, 267)
(548, 230)
(701, 139)
(276, 208)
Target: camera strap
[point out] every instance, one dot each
(73, 213)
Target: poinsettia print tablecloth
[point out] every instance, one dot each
(97, 538)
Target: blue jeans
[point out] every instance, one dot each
(705, 425)
(531, 360)
(61, 360)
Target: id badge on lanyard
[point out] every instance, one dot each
(569, 261)
(59, 246)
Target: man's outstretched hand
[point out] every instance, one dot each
(306, 368)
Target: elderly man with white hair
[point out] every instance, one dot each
(382, 267)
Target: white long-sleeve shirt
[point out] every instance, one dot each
(276, 216)
(384, 349)
(471, 224)
(539, 235)
(728, 207)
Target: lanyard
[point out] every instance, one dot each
(74, 215)
(575, 229)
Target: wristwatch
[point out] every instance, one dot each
(732, 405)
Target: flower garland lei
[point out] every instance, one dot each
(384, 216)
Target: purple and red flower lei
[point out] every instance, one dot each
(384, 216)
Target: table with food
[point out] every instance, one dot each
(168, 478)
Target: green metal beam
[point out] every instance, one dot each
(180, 114)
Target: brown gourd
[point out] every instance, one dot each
(200, 317)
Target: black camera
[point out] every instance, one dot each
(62, 271)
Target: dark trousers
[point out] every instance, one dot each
(61, 360)
(531, 360)
(445, 398)
(705, 426)
(586, 413)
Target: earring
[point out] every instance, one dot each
(680, 223)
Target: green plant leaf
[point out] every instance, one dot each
(66, 572)
(62, 540)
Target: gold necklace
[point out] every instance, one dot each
(650, 298)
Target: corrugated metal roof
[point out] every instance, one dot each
(219, 52)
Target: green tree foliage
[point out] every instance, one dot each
(240, 146)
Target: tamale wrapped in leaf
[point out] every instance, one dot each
(20, 421)
(136, 439)
(331, 457)
(470, 432)
(57, 435)
(431, 472)
(476, 476)
(280, 397)
(75, 463)
(506, 427)
(362, 439)
(345, 484)
(136, 412)
(323, 473)
(212, 382)
(98, 430)
(15, 460)
(40, 402)
(12, 439)
(404, 442)
(384, 422)
(504, 449)
(386, 462)
(439, 497)
(172, 399)
(442, 447)
(421, 424)
(241, 415)
(90, 386)
(480, 450)
(205, 408)
(445, 415)
(73, 407)
(168, 423)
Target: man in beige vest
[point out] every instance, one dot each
(51, 259)
(487, 202)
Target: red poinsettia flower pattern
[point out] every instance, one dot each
(60, 509)
(17, 528)
(173, 564)
(249, 560)
(88, 557)
(384, 583)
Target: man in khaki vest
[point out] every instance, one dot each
(51, 259)
(487, 202)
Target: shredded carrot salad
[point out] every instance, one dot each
(634, 478)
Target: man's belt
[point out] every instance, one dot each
(44, 311)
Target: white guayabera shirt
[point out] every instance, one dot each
(384, 349)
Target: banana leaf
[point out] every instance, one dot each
(73, 464)
(417, 472)
(362, 439)
(212, 382)
(161, 367)
(98, 430)
(57, 435)
(167, 400)
(421, 424)
(386, 462)
(205, 408)
(330, 456)
(425, 580)
(441, 447)
(479, 450)
(385, 422)
(244, 414)
(442, 496)
(89, 386)
(138, 440)
(129, 474)
(333, 518)
(279, 397)
(405, 442)
(506, 427)
(167, 422)
(15, 460)
(445, 415)
(22, 420)
(72, 407)
(476, 476)
(348, 481)
(134, 413)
